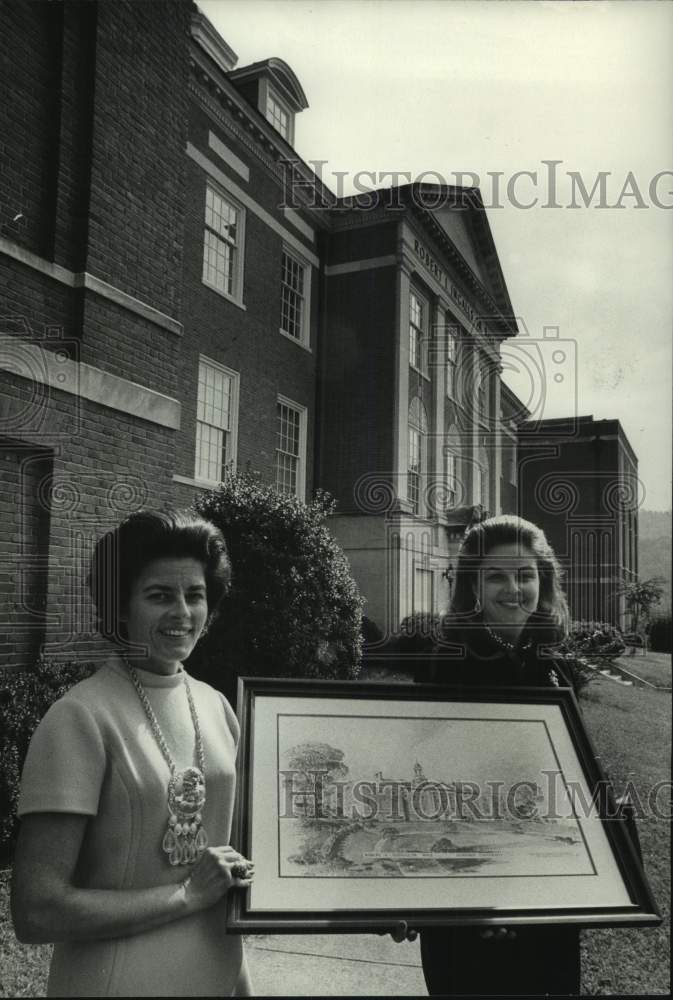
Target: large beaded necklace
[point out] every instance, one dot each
(185, 839)
(510, 647)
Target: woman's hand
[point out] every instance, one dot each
(498, 934)
(214, 874)
(48, 905)
(402, 932)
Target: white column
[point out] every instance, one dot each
(401, 402)
(497, 442)
(438, 376)
(475, 435)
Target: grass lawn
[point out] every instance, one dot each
(654, 667)
(631, 731)
(23, 967)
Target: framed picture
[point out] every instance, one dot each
(367, 804)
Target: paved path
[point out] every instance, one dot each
(334, 965)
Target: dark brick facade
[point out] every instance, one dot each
(583, 489)
(358, 376)
(94, 132)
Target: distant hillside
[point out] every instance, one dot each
(654, 548)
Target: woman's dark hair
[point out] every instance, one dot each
(507, 529)
(121, 555)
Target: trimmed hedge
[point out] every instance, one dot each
(594, 640)
(25, 696)
(294, 609)
(660, 634)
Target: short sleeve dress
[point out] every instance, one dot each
(540, 960)
(94, 753)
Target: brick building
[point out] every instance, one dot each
(181, 296)
(415, 310)
(579, 481)
(91, 257)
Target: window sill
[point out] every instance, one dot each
(299, 343)
(201, 484)
(224, 295)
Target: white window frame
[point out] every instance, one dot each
(451, 359)
(232, 431)
(450, 478)
(512, 477)
(236, 294)
(483, 475)
(304, 338)
(417, 431)
(300, 491)
(268, 92)
(418, 334)
(424, 584)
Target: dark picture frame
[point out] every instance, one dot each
(348, 834)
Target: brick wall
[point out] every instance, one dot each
(28, 74)
(358, 380)
(139, 133)
(93, 155)
(64, 478)
(245, 340)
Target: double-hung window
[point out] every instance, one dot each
(451, 359)
(216, 421)
(418, 319)
(223, 238)
(482, 471)
(417, 466)
(451, 485)
(278, 115)
(291, 448)
(423, 591)
(295, 290)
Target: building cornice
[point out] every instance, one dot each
(211, 41)
(426, 218)
(222, 101)
(82, 279)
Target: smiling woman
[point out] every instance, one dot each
(167, 612)
(132, 775)
(507, 614)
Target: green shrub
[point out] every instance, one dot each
(594, 641)
(579, 671)
(294, 609)
(10, 774)
(660, 633)
(25, 696)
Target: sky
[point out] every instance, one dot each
(485, 87)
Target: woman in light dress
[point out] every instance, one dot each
(123, 858)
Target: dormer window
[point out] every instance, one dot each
(272, 88)
(277, 114)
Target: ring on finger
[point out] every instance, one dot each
(240, 870)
